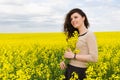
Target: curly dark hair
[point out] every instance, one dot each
(68, 28)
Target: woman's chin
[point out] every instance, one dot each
(75, 27)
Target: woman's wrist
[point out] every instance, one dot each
(74, 56)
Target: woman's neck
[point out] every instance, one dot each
(82, 29)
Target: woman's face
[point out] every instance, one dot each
(77, 20)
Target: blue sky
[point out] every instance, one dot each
(48, 15)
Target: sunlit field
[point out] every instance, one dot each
(36, 56)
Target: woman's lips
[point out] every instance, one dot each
(74, 23)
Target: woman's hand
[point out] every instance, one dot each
(69, 55)
(62, 65)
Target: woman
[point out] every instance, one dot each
(76, 20)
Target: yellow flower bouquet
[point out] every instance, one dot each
(71, 45)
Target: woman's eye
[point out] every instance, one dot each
(75, 17)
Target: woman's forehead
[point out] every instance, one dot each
(75, 14)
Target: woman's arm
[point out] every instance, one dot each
(92, 48)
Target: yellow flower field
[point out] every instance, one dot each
(36, 56)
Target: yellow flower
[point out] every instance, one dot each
(72, 41)
(74, 76)
(76, 51)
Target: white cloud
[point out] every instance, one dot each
(48, 15)
(99, 0)
(25, 9)
(36, 9)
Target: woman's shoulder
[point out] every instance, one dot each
(90, 34)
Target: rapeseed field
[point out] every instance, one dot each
(36, 56)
